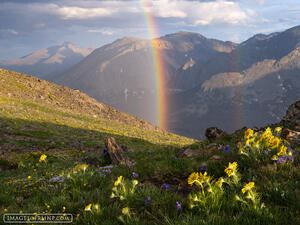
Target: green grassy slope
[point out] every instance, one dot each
(38, 117)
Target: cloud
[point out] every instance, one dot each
(102, 31)
(11, 31)
(83, 13)
(200, 13)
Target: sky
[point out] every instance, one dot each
(29, 25)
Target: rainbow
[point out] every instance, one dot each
(161, 97)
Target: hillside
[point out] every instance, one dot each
(49, 62)
(53, 159)
(29, 99)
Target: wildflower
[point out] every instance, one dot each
(43, 158)
(118, 181)
(220, 181)
(21, 212)
(178, 206)
(134, 175)
(230, 170)
(57, 178)
(113, 195)
(239, 145)
(107, 171)
(203, 167)
(193, 178)
(48, 206)
(147, 202)
(29, 177)
(248, 133)
(5, 210)
(96, 207)
(226, 148)
(282, 150)
(82, 167)
(64, 208)
(278, 130)
(248, 187)
(275, 142)
(165, 186)
(125, 211)
(135, 182)
(88, 207)
(203, 177)
(282, 159)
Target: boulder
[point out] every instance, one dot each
(212, 133)
(193, 153)
(117, 154)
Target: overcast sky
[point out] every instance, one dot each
(29, 25)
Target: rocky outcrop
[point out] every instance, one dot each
(292, 116)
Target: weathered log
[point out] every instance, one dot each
(117, 154)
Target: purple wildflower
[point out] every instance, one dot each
(165, 186)
(57, 178)
(134, 175)
(265, 152)
(291, 158)
(226, 149)
(203, 167)
(178, 206)
(282, 159)
(107, 171)
(292, 151)
(147, 202)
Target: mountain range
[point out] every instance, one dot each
(47, 62)
(209, 82)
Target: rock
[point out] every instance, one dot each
(189, 153)
(292, 115)
(291, 136)
(297, 128)
(213, 133)
(193, 153)
(117, 154)
(211, 148)
(215, 157)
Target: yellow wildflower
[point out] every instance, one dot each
(64, 208)
(248, 187)
(5, 210)
(125, 210)
(88, 207)
(248, 133)
(232, 167)
(220, 181)
(21, 212)
(118, 181)
(43, 158)
(282, 150)
(96, 207)
(112, 195)
(29, 177)
(278, 130)
(275, 142)
(193, 178)
(82, 167)
(203, 177)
